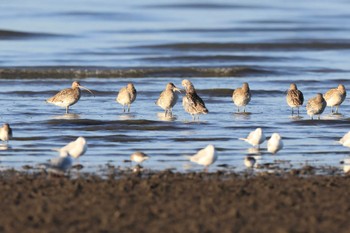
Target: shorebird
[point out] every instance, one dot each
(192, 103)
(255, 138)
(249, 161)
(127, 96)
(316, 106)
(205, 157)
(60, 164)
(345, 140)
(75, 148)
(335, 97)
(138, 157)
(68, 97)
(241, 96)
(274, 144)
(168, 98)
(295, 98)
(5, 133)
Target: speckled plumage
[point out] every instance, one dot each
(168, 98)
(241, 96)
(127, 96)
(316, 106)
(191, 102)
(67, 97)
(295, 97)
(335, 97)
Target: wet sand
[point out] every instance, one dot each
(174, 202)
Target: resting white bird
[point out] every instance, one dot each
(205, 157)
(255, 138)
(138, 157)
(345, 140)
(275, 143)
(75, 148)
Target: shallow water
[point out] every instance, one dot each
(216, 45)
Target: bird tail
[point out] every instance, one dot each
(187, 157)
(243, 139)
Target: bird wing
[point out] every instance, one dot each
(60, 96)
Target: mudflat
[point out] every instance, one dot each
(174, 202)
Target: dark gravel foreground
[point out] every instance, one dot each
(173, 202)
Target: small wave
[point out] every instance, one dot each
(203, 6)
(8, 34)
(280, 45)
(85, 72)
(216, 58)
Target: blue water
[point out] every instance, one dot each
(276, 42)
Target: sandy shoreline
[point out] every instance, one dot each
(174, 202)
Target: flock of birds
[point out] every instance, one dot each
(195, 106)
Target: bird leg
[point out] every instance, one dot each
(67, 109)
(292, 111)
(128, 107)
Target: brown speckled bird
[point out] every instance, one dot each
(127, 96)
(68, 97)
(191, 102)
(335, 97)
(241, 96)
(168, 98)
(316, 106)
(295, 98)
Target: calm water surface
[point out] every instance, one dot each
(218, 45)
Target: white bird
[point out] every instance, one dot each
(274, 144)
(346, 166)
(138, 157)
(75, 148)
(205, 157)
(345, 140)
(5, 133)
(255, 138)
(249, 161)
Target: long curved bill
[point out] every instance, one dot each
(82, 87)
(177, 89)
